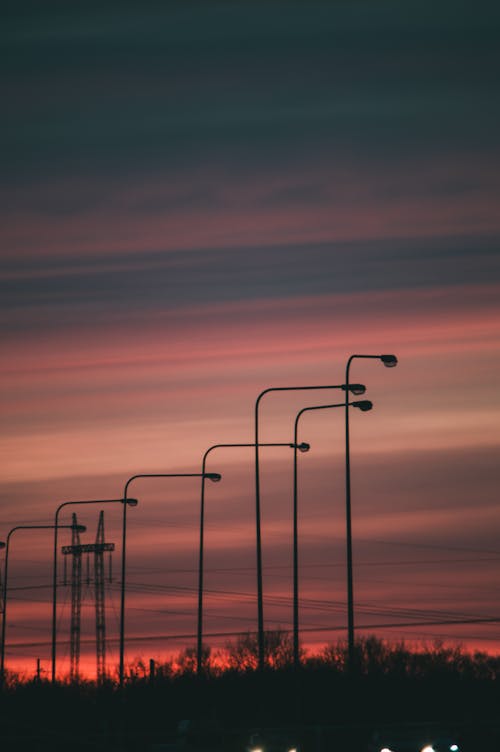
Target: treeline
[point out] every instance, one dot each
(389, 683)
(372, 657)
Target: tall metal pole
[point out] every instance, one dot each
(350, 604)
(296, 654)
(199, 626)
(258, 538)
(364, 405)
(258, 542)
(211, 476)
(122, 584)
(199, 640)
(80, 528)
(54, 597)
(100, 614)
(76, 605)
(4, 613)
(131, 502)
(389, 361)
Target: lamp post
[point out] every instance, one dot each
(199, 644)
(79, 528)
(131, 503)
(354, 389)
(389, 361)
(362, 405)
(214, 477)
(2, 545)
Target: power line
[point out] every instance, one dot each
(191, 636)
(281, 601)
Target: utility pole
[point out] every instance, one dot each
(76, 601)
(100, 616)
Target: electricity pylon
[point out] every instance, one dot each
(76, 549)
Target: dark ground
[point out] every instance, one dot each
(321, 708)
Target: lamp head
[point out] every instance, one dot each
(357, 388)
(389, 361)
(2, 544)
(214, 477)
(363, 405)
(303, 447)
(354, 388)
(79, 528)
(131, 502)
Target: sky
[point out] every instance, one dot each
(203, 200)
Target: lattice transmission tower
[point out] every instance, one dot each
(76, 551)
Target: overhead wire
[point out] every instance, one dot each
(317, 605)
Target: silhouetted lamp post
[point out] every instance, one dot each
(214, 477)
(130, 503)
(354, 389)
(2, 545)
(79, 528)
(362, 405)
(389, 361)
(303, 447)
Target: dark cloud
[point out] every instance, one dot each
(73, 291)
(132, 90)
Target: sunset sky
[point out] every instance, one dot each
(201, 200)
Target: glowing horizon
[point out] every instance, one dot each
(199, 211)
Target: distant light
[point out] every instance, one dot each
(429, 748)
(454, 748)
(385, 749)
(390, 361)
(304, 447)
(257, 749)
(292, 749)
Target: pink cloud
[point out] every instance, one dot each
(127, 396)
(196, 211)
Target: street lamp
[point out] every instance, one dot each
(389, 361)
(214, 477)
(130, 503)
(364, 406)
(78, 528)
(303, 447)
(2, 545)
(354, 389)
